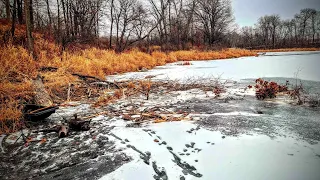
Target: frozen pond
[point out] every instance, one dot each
(271, 65)
(235, 141)
(245, 157)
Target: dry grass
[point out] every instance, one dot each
(211, 55)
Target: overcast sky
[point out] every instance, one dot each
(247, 12)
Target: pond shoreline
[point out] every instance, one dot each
(109, 144)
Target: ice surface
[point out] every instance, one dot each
(274, 65)
(244, 157)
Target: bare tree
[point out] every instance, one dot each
(274, 23)
(49, 14)
(27, 5)
(7, 4)
(159, 10)
(304, 16)
(14, 14)
(127, 13)
(264, 25)
(313, 24)
(215, 16)
(20, 11)
(111, 24)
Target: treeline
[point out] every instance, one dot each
(167, 24)
(273, 32)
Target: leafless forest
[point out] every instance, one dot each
(168, 24)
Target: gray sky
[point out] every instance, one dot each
(247, 12)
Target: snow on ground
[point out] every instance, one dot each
(213, 155)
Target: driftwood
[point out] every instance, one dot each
(49, 130)
(97, 80)
(37, 110)
(78, 124)
(86, 77)
(100, 81)
(48, 69)
(41, 97)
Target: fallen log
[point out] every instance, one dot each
(49, 130)
(85, 77)
(81, 76)
(100, 81)
(48, 69)
(41, 97)
(40, 109)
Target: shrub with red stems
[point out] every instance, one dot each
(265, 89)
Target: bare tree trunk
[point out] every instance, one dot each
(58, 23)
(49, 15)
(273, 38)
(97, 22)
(70, 18)
(76, 24)
(37, 14)
(29, 27)
(31, 14)
(111, 26)
(65, 17)
(7, 2)
(14, 14)
(20, 11)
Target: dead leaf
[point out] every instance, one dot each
(43, 140)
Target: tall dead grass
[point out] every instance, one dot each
(211, 55)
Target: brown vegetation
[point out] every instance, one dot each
(265, 89)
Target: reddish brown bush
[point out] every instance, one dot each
(265, 89)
